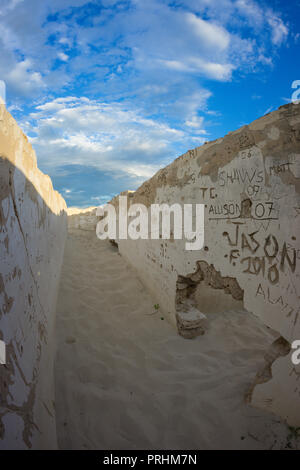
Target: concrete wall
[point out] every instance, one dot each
(33, 227)
(249, 183)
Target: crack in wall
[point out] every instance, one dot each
(24, 384)
(25, 246)
(25, 411)
(9, 370)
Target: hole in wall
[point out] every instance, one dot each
(208, 291)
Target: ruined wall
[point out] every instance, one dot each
(83, 219)
(32, 234)
(249, 183)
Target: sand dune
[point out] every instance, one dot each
(126, 380)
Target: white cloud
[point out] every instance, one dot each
(279, 29)
(212, 35)
(252, 11)
(62, 56)
(196, 122)
(196, 65)
(66, 41)
(213, 69)
(110, 137)
(23, 79)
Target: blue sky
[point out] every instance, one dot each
(109, 91)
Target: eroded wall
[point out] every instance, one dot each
(249, 183)
(33, 227)
(83, 219)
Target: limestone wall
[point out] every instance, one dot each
(32, 234)
(249, 183)
(83, 219)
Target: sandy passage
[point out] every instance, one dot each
(126, 380)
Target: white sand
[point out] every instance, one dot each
(126, 380)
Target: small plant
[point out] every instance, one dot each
(156, 308)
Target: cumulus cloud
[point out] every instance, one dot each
(134, 39)
(23, 79)
(107, 136)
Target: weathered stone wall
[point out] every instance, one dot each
(249, 183)
(33, 227)
(83, 219)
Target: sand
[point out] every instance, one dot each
(126, 380)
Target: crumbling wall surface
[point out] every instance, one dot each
(249, 183)
(83, 219)
(33, 229)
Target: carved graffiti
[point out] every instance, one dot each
(245, 209)
(211, 192)
(241, 175)
(279, 300)
(225, 209)
(281, 168)
(269, 263)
